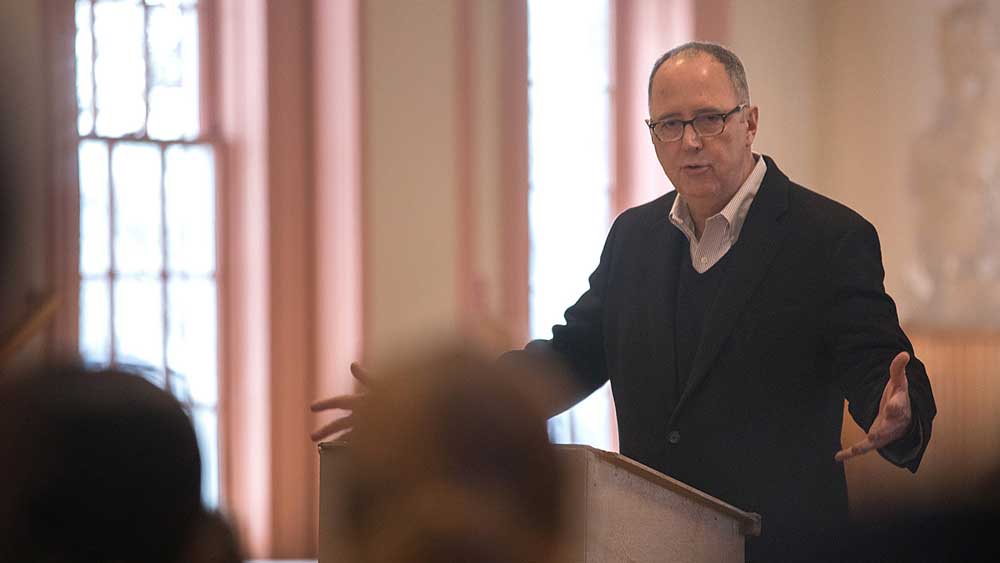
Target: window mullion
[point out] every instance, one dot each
(204, 140)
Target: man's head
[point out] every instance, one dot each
(98, 466)
(702, 80)
(450, 461)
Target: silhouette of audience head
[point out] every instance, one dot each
(450, 461)
(212, 541)
(98, 466)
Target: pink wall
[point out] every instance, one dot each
(282, 205)
(333, 218)
(643, 30)
(243, 281)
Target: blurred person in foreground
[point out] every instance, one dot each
(733, 317)
(101, 465)
(451, 461)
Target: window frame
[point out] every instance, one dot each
(65, 202)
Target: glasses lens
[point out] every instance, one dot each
(668, 131)
(708, 125)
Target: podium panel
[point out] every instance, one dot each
(620, 510)
(629, 512)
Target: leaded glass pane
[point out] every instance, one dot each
(120, 67)
(95, 321)
(172, 3)
(191, 340)
(84, 68)
(206, 426)
(95, 221)
(136, 173)
(139, 321)
(142, 313)
(173, 96)
(569, 72)
(190, 207)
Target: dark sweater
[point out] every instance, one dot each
(695, 295)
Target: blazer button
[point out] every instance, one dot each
(674, 437)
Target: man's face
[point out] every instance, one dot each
(706, 171)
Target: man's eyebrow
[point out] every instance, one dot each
(700, 111)
(663, 116)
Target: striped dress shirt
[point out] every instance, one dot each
(722, 230)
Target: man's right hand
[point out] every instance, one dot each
(342, 402)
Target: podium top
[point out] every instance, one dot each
(750, 523)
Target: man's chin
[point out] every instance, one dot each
(698, 191)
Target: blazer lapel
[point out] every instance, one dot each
(759, 240)
(661, 287)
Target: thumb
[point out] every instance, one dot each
(897, 370)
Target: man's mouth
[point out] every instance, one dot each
(695, 168)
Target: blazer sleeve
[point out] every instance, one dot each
(863, 335)
(578, 345)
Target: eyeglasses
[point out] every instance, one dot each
(706, 125)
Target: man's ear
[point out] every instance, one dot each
(751, 116)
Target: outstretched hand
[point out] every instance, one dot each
(894, 414)
(342, 402)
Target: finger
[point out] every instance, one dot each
(332, 428)
(860, 448)
(338, 402)
(361, 374)
(882, 433)
(897, 369)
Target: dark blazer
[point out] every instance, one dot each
(801, 322)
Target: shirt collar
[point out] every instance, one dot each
(733, 214)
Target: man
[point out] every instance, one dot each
(734, 315)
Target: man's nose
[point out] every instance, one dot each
(690, 137)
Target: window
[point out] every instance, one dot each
(148, 295)
(569, 199)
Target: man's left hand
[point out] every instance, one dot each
(894, 415)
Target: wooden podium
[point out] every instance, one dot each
(624, 511)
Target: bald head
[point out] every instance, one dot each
(728, 59)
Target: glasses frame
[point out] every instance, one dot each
(685, 122)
